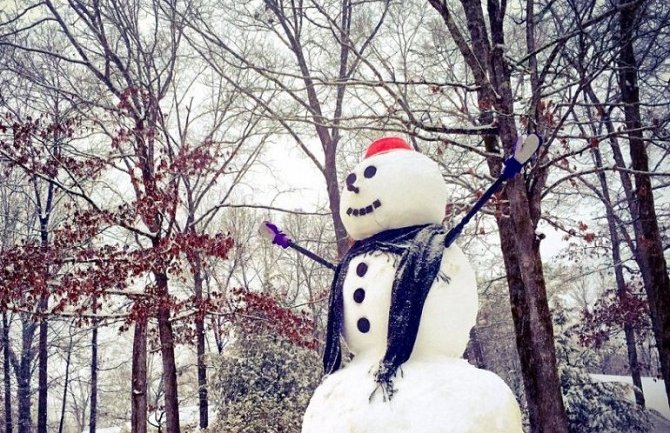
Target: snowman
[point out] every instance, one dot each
(404, 305)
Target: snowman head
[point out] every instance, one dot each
(393, 187)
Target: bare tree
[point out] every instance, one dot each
(615, 97)
(235, 137)
(43, 199)
(131, 71)
(518, 220)
(9, 217)
(649, 248)
(131, 68)
(93, 414)
(7, 392)
(629, 331)
(303, 85)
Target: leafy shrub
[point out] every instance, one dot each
(264, 384)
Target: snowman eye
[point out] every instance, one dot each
(370, 171)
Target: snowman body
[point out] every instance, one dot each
(367, 302)
(440, 395)
(434, 391)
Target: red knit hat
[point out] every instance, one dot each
(387, 144)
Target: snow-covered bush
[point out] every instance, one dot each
(263, 384)
(592, 406)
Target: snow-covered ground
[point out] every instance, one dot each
(661, 425)
(188, 417)
(108, 430)
(654, 394)
(654, 391)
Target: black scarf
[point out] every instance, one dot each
(420, 249)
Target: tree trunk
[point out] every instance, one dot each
(633, 363)
(7, 377)
(203, 402)
(523, 263)
(93, 418)
(473, 352)
(520, 315)
(534, 332)
(67, 379)
(23, 372)
(23, 395)
(138, 417)
(333, 190)
(43, 350)
(521, 250)
(166, 337)
(42, 359)
(649, 248)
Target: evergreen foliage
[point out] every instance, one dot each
(264, 383)
(593, 406)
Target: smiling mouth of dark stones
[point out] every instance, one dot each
(364, 210)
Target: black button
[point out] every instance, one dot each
(359, 295)
(361, 269)
(363, 325)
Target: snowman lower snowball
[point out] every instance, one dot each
(404, 306)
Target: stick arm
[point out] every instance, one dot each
(272, 233)
(523, 151)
